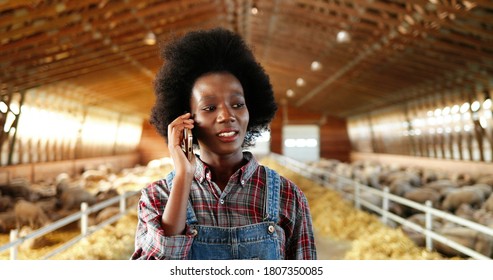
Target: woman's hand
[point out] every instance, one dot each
(175, 139)
(175, 212)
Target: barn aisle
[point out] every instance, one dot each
(330, 249)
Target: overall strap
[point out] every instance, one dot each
(272, 195)
(191, 218)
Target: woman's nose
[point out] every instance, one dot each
(225, 114)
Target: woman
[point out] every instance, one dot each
(222, 204)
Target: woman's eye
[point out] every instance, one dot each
(209, 108)
(239, 105)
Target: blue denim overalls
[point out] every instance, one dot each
(257, 241)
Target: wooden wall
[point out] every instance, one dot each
(334, 139)
(152, 145)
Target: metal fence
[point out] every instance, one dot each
(82, 215)
(341, 184)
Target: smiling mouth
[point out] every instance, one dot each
(227, 134)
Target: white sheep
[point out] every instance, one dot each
(455, 198)
(441, 185)
(488, 204)
(421, 195)
(466, 237)
(485, 179)
(7, 221)
(70, 199)
(30, 214)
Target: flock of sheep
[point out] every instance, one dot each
(461, 194)
(29, 206)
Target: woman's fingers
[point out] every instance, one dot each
(176, 127)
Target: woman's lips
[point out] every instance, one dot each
(228, 136)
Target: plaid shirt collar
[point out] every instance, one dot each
(203, 172)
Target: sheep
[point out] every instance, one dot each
(485, 179)
(484, 217)
(70, 196)
(488, 204)
(462, 179)
(459, 196)
(93, 175)
(484, 188)
(421, 195)
(441, 185)
(19, 188)
(70, 199)
(465, 211)
(30, 214)
(6, 202)
(419, 219)
(7, 221)
(466, 237)
(400, 187)
(413, 178)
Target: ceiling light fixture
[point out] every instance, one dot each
(343, 37)
(150, 39)
(254, 9)
(300, 82)
(316, 66)
(290, 93)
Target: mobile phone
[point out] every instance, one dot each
(188, 143)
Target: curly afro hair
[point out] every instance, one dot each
(206, 51)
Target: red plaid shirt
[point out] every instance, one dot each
(242, 205)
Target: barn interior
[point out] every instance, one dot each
(387, 81)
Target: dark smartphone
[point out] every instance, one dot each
(188, 143)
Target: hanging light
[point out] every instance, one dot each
(316, 66)
(150, 39)
(290, 93)
(254, 9)
(300, 82)
(343, 37)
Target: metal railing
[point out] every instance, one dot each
(85, 230)
(328, 179)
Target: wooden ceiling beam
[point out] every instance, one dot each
(28, 15)
(96, 51)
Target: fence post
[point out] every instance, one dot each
(84, 218)
(428, 225)
(385, 204)
(123, 200)
(13, 250)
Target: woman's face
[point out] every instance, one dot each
(221, 116)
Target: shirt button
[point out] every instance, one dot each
(221, 201)
(271, 229)
(242, 182)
